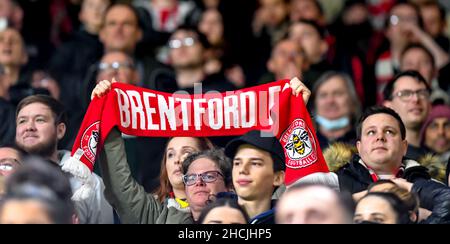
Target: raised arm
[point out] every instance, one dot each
(128, 198)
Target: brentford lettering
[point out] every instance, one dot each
(150, 111)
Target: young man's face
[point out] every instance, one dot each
(253, 175)
(36, 131)
(381, 146)
(413, 109)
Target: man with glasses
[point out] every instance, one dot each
(117, 65)
(258, 169)
(187, 48)
(408, 94)
(403, 26)
(10, 159)
(387, 63)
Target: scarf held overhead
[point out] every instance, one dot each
(143, 112)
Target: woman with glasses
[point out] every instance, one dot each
(204, 175)
(185, 180)
(171, 187)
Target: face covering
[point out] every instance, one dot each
(332, 124)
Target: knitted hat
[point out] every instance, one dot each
(438, 111)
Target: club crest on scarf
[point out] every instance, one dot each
(299, 146)
(90, 140)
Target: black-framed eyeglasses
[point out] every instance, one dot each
(207, 177)
(186, 42)
(406, 95)
(103, 66)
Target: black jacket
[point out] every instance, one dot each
(354, 177)
(266, 218)
(69, 66)
(7, 122)
(73, 59)
(435, 197)
(415, 153)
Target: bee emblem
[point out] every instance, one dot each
(298, 143)
(90, 140)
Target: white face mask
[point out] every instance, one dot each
(333, 124)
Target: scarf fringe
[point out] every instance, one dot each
(81, 172)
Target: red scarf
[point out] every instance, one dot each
(142, 112)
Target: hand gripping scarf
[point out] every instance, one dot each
(143, 112)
